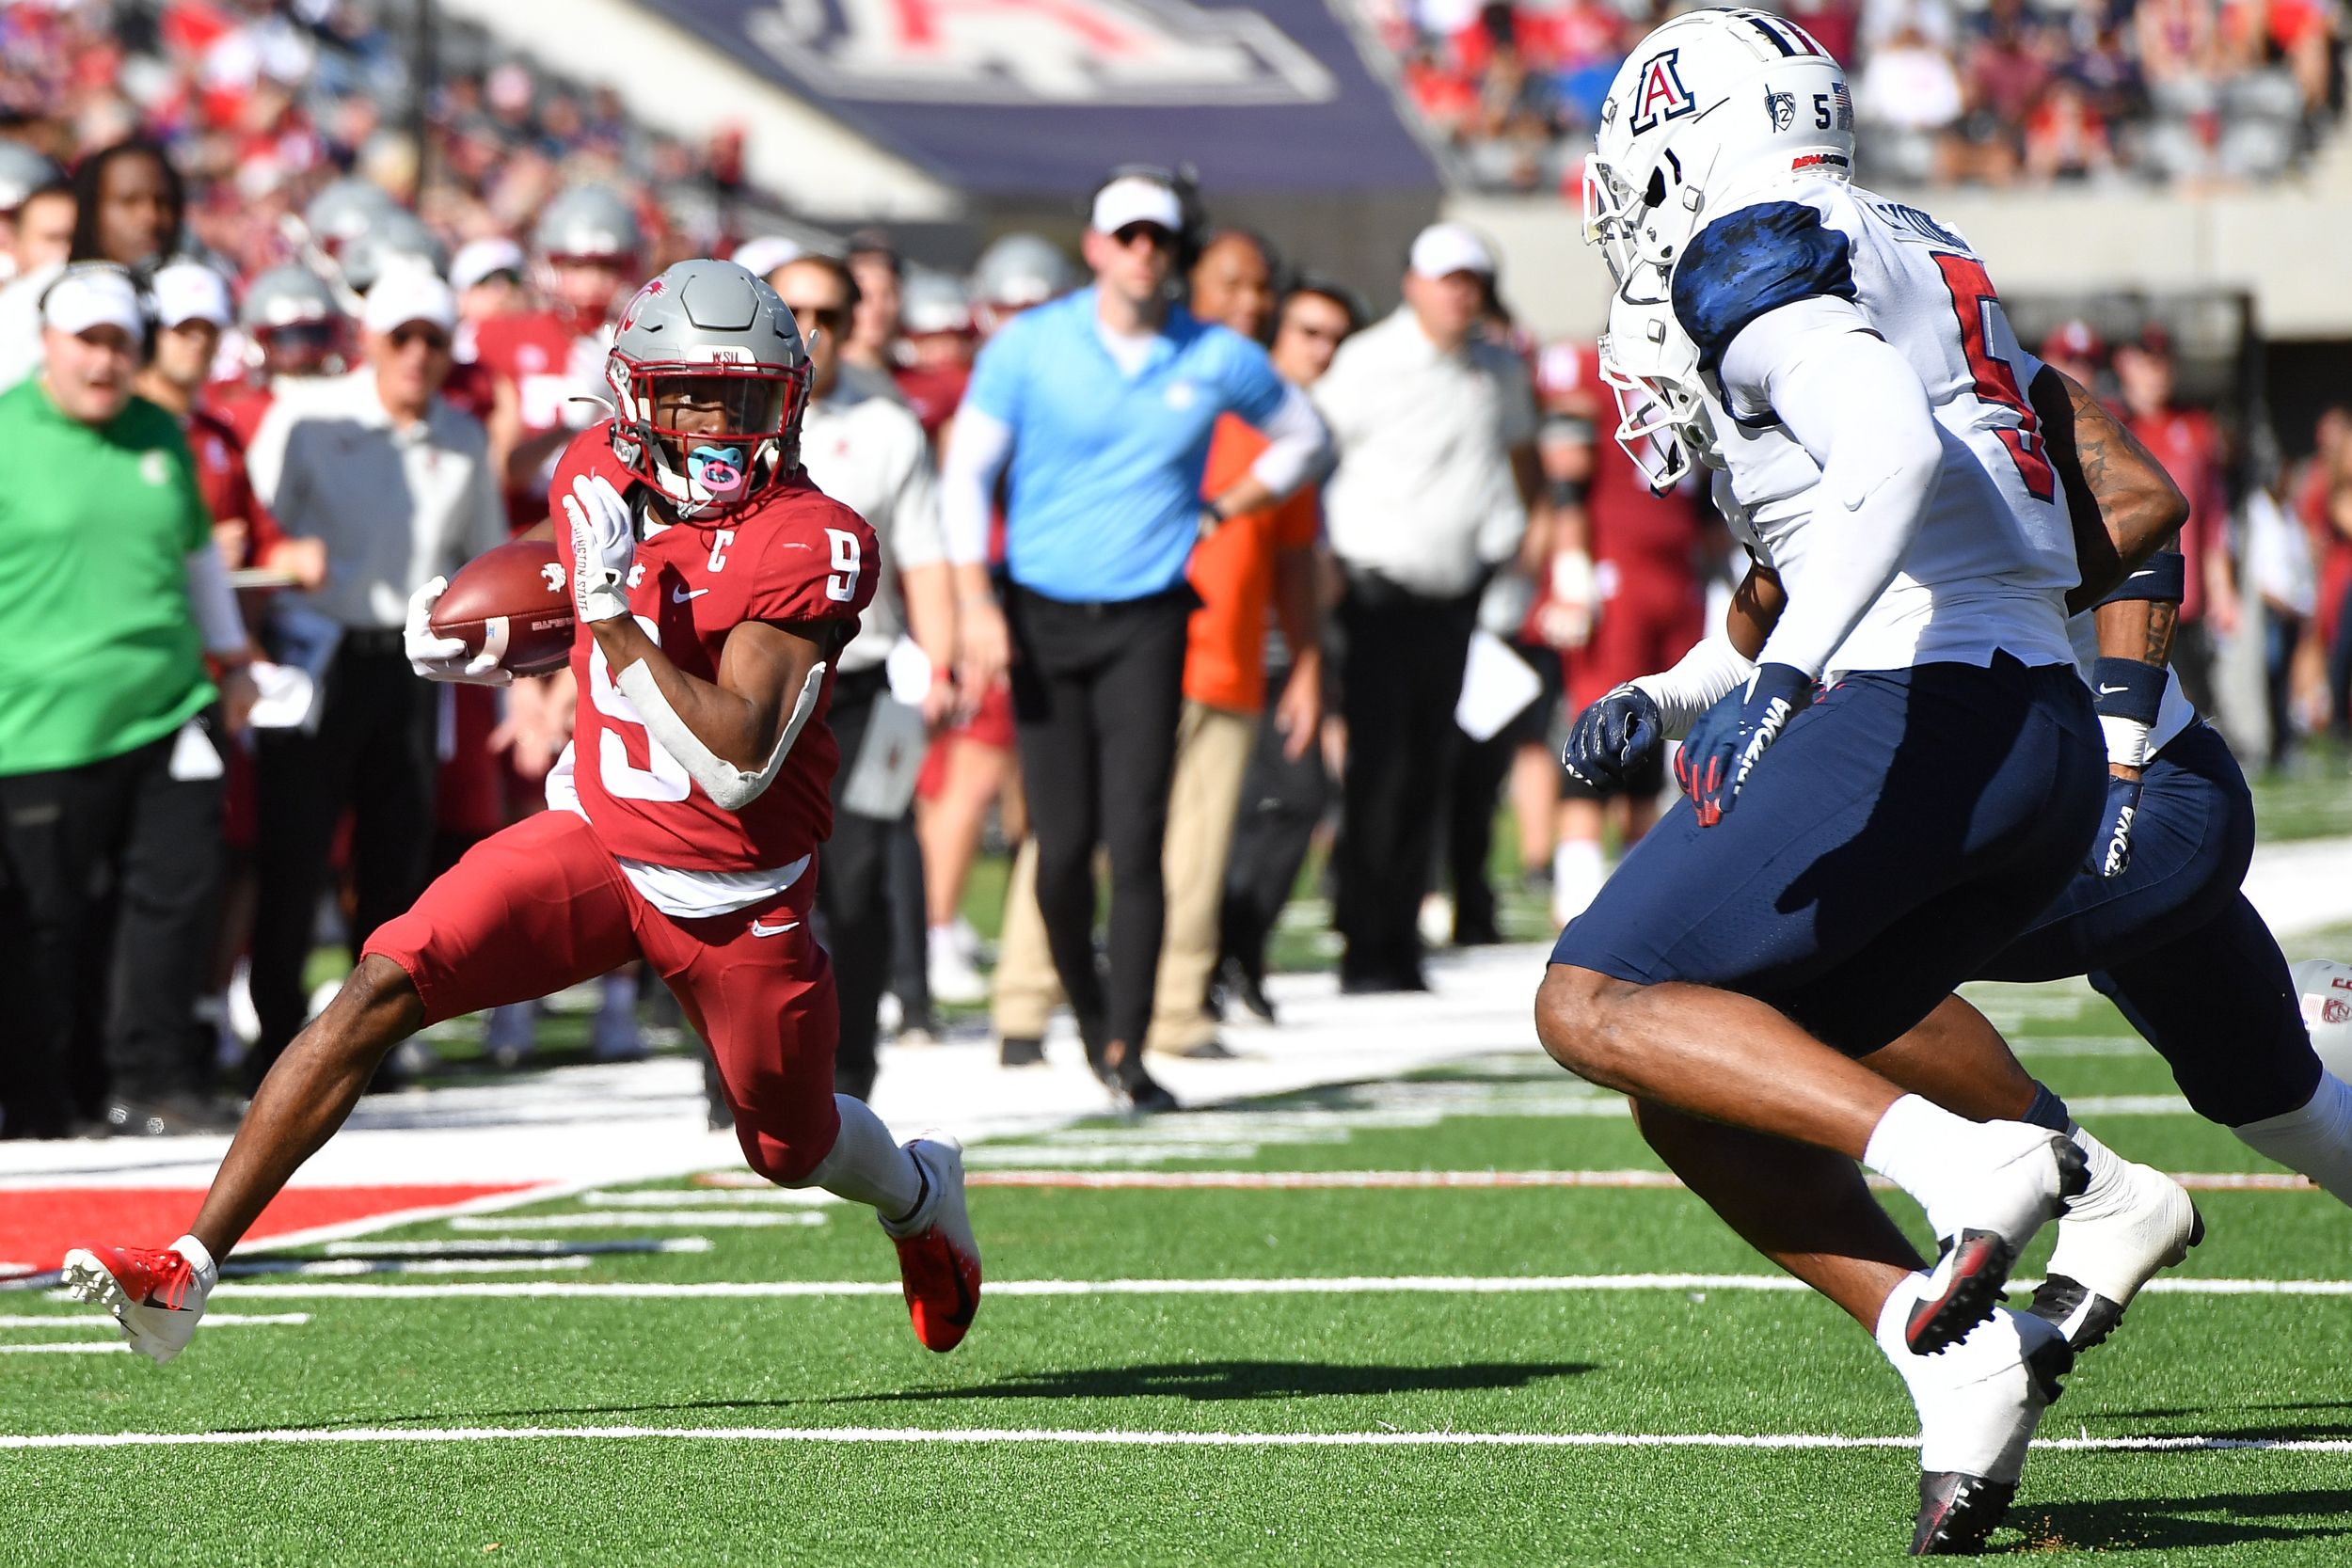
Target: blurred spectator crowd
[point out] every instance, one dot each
(2193, 93)
(360, 379)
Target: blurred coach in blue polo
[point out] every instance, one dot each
(1097, 409)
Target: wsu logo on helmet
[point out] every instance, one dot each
(1661, 95)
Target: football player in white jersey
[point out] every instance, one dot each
(2154, 917)
(1868, 408)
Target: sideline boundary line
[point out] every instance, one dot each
(1126, 1438)
(1332, 1286)
(1351, 1181)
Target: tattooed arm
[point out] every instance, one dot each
(2124, 506)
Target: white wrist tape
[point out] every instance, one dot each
(1699, 679)
(725, 782)
(2127, 740)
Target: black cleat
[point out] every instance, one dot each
(1020, 1051)
(1974, 1266)
(1958, 1512)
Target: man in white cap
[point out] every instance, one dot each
(1097, 410)
(1436, 431)
(487, 275)
(398, 484)
(110, 728)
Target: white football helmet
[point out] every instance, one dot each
(1710, 106)
(2325, 989)
(1651, 367)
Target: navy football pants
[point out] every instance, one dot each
(1894, 840)
(2176, 946)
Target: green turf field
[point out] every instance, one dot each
(1470, 1397)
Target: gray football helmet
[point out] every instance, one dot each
(588, 221)
(708, 335)
(1018, 270)
(292, 321)
(344, 209)
(933, 301)
(23, 171)
(392, 235)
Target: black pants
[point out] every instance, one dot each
(372, 755)
(1096, 691)
(853, 892)
(120, 837)
(1405, 657)
(1282, 799)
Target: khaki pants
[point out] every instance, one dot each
(1212, 752)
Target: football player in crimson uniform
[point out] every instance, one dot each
(714, 586)
(585, 250)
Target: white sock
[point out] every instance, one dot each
(1577, 872)
(1916, 1145)
(2110, 1182)
(867, 1166)
(1970, 1417)
(2316, 1140)
(199, 1257)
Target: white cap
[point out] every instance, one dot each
(1133, 198)
(408, 292)
(190, 291)
(765, 254)
(87, 297)
(1443, 248)
(478, 258)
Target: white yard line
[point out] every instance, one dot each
(623, 1219)
(67, 1347)
(1330, 1285)
(1123, 1438)
(210, 1320)
(1350, 1180)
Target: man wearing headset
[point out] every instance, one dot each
(1098, 408)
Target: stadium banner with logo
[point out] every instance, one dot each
(1036, 96)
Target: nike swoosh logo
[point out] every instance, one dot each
(680, 595)
(2111, 690)
(759, 930)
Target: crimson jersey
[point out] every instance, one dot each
(220, 475)
(2183, 440)
(793, 556)
(549, 363)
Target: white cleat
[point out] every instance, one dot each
(2130, 1224)
(155, 1293)
(939, 1262)
(1979, 1406)
(949, 968)
(2024, 1180)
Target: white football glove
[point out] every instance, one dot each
(604, 547)
(444, 658)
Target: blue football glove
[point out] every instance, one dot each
(1614, 740)
(2111, 851)
(1725, 746)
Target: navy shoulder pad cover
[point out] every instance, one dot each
(1752, 261)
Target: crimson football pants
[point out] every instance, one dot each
(541, 906)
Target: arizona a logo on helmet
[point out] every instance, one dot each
(1661, 95)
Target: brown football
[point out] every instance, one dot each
(514, 598)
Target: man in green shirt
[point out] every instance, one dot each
(110, 730)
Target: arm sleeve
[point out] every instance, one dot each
(968, 482)
(1858, 408)
(213, 602)
(1299, 448)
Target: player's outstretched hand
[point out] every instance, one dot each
(2111, 851)
(444, 658)
(604, 545)
(1725, 746)
(1614, 740)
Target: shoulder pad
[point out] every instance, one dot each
(1753, 261)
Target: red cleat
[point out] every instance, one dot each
(155, 1293)
(937, 1258)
